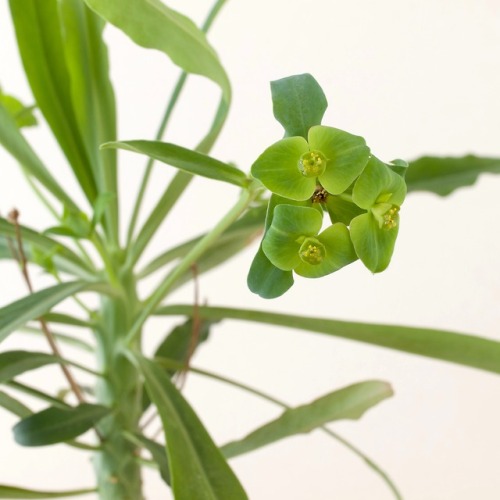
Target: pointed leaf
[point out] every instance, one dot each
(14, 363)
(198, 469)
(15, 492)
(36, 244)
(151, 24)
(468, 350)
(22, 115)
(15, 143)
(35, 305)
(348, 403)
(298, 103)
(14, 406)
(42, 47)
(443, 175)
(184, 159)
(56, 425)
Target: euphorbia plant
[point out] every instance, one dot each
(323, 198)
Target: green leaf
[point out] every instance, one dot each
(60, 337)
(65, 260)
(22, 115)
(341, 210)
(56, 425)
(378, 183)
(197, 467)
(42, 47)
(459, 348)
(151, 24)
(348, 403)
(15, 492)
(157, 453)
(298, 103)
(277, 168)
(14, 363)
(35, 305)
(265, 279)
(373, 245)
(15, 143)
(92, 96)
(443, 175)
(184, 159)
(347, 156)
(13, 405)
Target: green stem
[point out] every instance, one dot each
(176, 365)
(163, 125)
(192, 256)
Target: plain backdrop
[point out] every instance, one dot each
(413, 77)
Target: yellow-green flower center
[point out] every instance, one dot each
(312, 251)
(312, 164)
(386, 215)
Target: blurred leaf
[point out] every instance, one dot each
(157, 453)
(237, 237)
(65, 319)
(184, 159)
(33, 306)
(65, 260)
(298, 103)
(14, 363)
(22, 115)
(15, 143)
(151, 24)
(15, 492)
(14, 406)
(92, 96)
(348, 403)
(42, 47)
(443, 175)
(197, 467)
(468, 350)
(61, 337)
(55, 425)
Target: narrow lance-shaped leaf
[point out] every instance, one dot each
(443, 175)
(184, 159)
(15, 143)
(298, 103)
(348, 403)
(13, 405)
(151, 24)
(468, 350)
(14, 363)
(41, 45)
(22, 115)
(198, 469)
(35, 305)
(92, 95)
(36, 244)
(12, 492)
(56, 425)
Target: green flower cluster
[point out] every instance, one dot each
(331, 171)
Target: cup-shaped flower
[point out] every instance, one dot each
(294, 242)
(293, 166)
(380, 191)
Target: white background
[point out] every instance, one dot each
(412, 77)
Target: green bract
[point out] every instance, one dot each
(380, 191)
(293, 166)
(293, 243)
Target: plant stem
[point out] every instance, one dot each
(192, 256)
